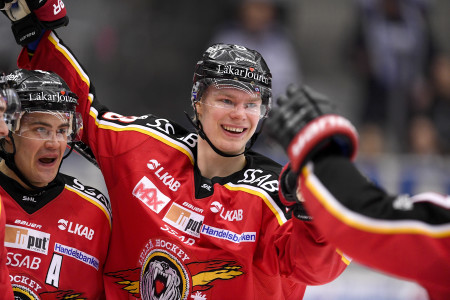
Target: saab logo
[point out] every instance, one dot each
(165, 177)
(22, 261)
(77, 229)
(187, 241)
(190, 139)
(27, 239)
(58, 7)
(150, 195)
(184, 220)
(230, 215)
(206, 187)
(250, 176)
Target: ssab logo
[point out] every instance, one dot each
(27, 239)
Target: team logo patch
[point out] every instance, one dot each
(164, 277)
(150, 195)
(26, 287)
(168, 272)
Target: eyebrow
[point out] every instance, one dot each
(225, 93)
(49, 125)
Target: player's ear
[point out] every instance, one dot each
(199, 108)
(6, 143)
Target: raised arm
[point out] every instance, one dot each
(402, 235)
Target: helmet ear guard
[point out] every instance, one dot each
(9, 101)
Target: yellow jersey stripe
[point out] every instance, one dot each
(264, 196)
(55, 41)
(93, 201)
(364, 223)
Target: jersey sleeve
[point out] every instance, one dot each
(305, 256)
(404, 236)
(296, 249)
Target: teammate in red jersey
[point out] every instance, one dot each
(406, 236)
(197, 215)
(57, 230)
(9, 109)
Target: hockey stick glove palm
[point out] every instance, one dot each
(30, 17)
(305, 124)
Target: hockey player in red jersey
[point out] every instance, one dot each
(9, 109)
(57, 229)
(405, 236)
(197, 215)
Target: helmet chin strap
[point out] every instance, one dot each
(10, 163)
(198, 126)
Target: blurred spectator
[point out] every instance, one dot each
(392, 49)
(260, 25)
(423, 138)
(441, 97)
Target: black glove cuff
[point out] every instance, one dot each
(288, 185)
(56, 23)
(300, 213)
(27, 29)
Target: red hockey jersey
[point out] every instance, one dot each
(403, 236)
(178, 235)
(57, 240)
(5, 285)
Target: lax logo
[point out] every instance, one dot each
(150, 195)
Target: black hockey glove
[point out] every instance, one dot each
(30, 17)
(289, 195)
(305, 124)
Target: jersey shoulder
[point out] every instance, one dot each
(260, 173)
(162, 129)
(90, 193)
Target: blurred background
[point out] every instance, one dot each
(384, 62)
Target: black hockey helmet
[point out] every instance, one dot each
(41, 91)
(233, 65)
